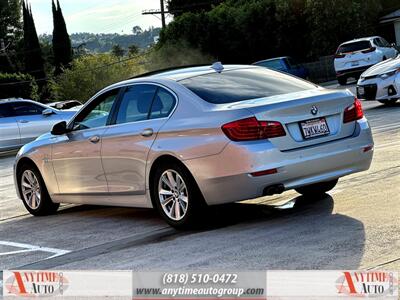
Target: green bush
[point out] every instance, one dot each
(17, 85)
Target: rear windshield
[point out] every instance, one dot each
(353, 47)
(244, 84)
(272, 64)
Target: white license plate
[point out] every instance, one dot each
(314, 128)
(361, 90)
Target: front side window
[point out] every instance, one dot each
(6, 111)
(98, 112)
(26, 109)
(244, 84)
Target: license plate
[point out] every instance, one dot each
(361, 90)
(314, 128)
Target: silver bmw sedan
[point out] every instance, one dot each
(183, 139)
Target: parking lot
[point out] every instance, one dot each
(356, 226)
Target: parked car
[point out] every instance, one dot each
(285, 64)
(381, 82)
(21, 121)
(64, 105)
(354, 57)
(183, 139)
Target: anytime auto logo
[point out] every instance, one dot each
(35, 283)
(367, 284)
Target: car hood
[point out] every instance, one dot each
(383, 67)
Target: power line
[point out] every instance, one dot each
(83, 71)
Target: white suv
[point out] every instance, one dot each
(354, 57)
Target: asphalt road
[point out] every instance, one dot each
(356, 226)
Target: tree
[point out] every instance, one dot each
(117, 51)
(133, 50)
(10, 33)
(61, 42)
(34, 64)
(178, 7)
(137, 30)
(18, 85)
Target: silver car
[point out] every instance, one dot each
(381, 82)
(184, 139)
(22, 121)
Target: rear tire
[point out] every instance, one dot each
(317, 189)
(389, 102)
(34, 194)
(342, 80)
(176, 196)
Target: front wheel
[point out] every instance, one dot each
(34, 193)
(177, 196)
(317, 188)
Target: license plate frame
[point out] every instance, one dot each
(309, 131)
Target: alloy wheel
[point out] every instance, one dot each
(31, 190)
(173, 195)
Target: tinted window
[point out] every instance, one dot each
(272, 64)
(5, 111)
(243, 84)
(353, 47)
(26, 109)
(378, 42)
(135, 104)
(163, 104)
(98, 111)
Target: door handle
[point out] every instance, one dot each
(23, 121)
(94, 139)
(147, 132)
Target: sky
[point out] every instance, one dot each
(97, 16)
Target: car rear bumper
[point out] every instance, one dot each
(352, 72)
(226, 177)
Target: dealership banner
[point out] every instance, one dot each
(253, 285)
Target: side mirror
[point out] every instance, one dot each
(47, 112)
(393, 45)
(59, 128)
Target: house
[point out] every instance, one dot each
(391, 23)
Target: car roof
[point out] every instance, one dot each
(185, 73)
(370, 38)
(9, 100)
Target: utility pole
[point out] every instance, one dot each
(161, 12)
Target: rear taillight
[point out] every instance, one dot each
(339, 55)
(372, 49)
(353, 112)
(251, 129)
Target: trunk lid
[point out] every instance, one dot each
(294, 109)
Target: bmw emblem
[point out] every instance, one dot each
(314, 110)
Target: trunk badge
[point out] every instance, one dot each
(314, 110)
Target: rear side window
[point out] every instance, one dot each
(353, 47)
(6, 111)
(164, 103)
(244, 84)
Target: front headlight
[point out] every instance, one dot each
(388, 74)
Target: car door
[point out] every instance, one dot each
(76, 154)
(31, 120)
(142, 111)
(9, 131)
